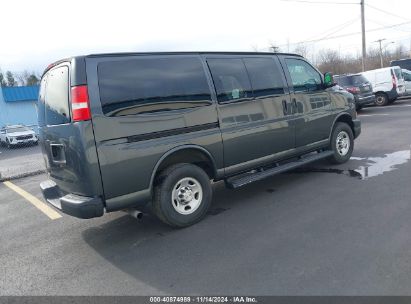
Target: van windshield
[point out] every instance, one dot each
(359, 79)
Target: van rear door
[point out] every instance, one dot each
(397, 73)
(68, 147)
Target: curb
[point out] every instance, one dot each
(18, 176)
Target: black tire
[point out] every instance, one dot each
(163, 205)
(381, 99)
(344, 130)
(358, 107)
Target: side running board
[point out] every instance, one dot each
(239, 181)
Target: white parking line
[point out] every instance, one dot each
(365, 115)
(392, 107)
(51, 213)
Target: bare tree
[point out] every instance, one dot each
(22, 77)
(26, 78)
(301, 49)
(330, 61)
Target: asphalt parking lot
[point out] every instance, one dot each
(321, 230)
(20, 160)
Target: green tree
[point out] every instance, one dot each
(11, 82)
(3, 82)
(32, 80)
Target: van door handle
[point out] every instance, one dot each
(285, 107)
(294, 106)
(58, 156)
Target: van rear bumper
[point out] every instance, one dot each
(364, 100)
(75, 205)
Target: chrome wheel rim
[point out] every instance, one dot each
(343, 143)
(187, 195)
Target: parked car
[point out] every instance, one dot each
(387, 83)
(407, 81)
(359, 86)
(402, 63)
(15, 135)
(132, 131)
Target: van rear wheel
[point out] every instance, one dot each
(342, 143)
(182, 195)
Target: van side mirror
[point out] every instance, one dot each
(328, 80)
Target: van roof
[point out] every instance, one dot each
(161, 53)
(188, 53)
(347, 75)
(399, 60)
(382, 69)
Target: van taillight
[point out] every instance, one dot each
(80, 105)
(394, 82)
(353, 90)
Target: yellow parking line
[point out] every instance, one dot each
(50, 212)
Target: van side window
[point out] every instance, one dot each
(57, 96)
(266, 78)
(303, 76)
(147, 85)
(230, 79)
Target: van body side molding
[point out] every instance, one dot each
(172, 132)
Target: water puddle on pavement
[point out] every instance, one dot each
(379, 165)
(374, 166)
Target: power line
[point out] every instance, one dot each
(334, 29)
(352, 34)
(386, 12)
(375, 22)
(319, 2)
(340, 28)
(384, 24)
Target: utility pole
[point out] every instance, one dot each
(379, 41)
(364, 51)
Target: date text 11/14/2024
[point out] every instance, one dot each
(204, 299)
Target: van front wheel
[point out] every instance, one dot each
(342, 143)
(182, 195)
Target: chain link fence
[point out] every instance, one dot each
(20, 154)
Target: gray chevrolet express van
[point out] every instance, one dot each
(152, 130)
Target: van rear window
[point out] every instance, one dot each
(147, 85)
(57, 96)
